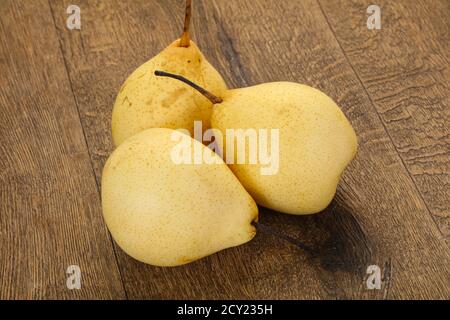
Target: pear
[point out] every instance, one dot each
(145, 101)
(167, 213)
(316, 142)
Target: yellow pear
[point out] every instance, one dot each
(315, 142)
(167, 212)
(145, 101)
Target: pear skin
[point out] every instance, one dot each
(316, 143)
(146, 101)
(169, 214)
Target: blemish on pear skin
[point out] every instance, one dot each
(140, 76)
(283, 111)
(184, 260)
(128, 100)
(170, 100)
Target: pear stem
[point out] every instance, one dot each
(214, 99)
(275, 232)
(185, 38)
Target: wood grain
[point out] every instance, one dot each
(58, 88)
(405, 69)
(378, 216)
(50, 209)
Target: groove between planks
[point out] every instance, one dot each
(84, 136)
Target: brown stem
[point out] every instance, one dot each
(279, 234)
(185, 39)
(214, 99)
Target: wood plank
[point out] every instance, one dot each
(111, 44)
(405, 68)
(50, 216)
(377, 217)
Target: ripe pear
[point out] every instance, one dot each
(145, 101)
(166, 213)
(316, 142)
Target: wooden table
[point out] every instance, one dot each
(392, 207)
